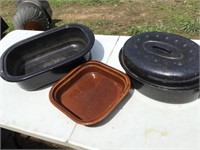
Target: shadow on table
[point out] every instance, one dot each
(116, 110)
(14, 140)
(97, 51)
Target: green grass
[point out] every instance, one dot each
(191, 26)
(100, 26)
(178, 18)
(186, 27)
(138, 29)
(122, 17)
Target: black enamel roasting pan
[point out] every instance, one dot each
(43, 59)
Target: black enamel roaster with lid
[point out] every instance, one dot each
(44, 58)
(162, 66)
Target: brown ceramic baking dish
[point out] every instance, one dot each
(90, 92)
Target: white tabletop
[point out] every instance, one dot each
(138, 122)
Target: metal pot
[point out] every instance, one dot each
(162, 66)
(32, 15)
(43, 59)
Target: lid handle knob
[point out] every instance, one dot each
(161, 49)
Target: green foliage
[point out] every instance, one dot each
(191, 26)
(137, 29)
(122, 17)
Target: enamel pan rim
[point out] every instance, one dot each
(4, 73)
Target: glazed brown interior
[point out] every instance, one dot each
(90, 92)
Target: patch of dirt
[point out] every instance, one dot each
(119, 18)
(7, 8)
(120, 14)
